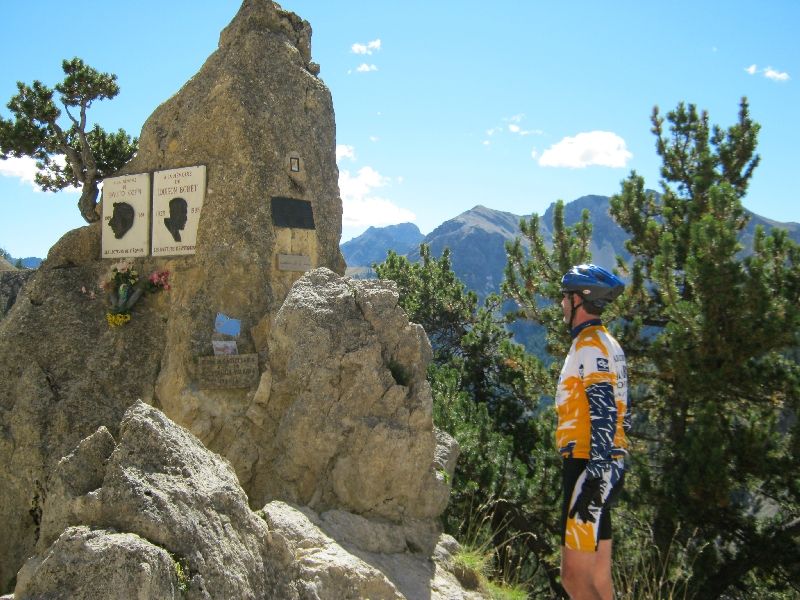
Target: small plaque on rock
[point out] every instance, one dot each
(289, 212)
(294, 262)
(238, 371)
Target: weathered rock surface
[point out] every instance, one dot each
(63, 374)
(11, 281)
(344, 418)
(161, 484)
(328, 549)
(168, 514)
(340, 421)
(90, 564)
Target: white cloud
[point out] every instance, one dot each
(534, 153)
(359, 186)
(367, 48)
(374, 138)
(513, 126)
(23, 168)
(771, 73)
(601, 148)
(365, 68)
(345, 151)
(486, 142)
(361, 208)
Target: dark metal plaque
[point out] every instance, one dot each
(288, 212)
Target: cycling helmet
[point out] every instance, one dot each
(594, 284)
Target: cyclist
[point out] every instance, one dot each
(592, 406)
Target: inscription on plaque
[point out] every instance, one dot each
(289, 212)
(237, 371)
(294, 262)
(177, 203)
(126, 216)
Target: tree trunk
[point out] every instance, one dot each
(88, 202)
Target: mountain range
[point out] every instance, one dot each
(477, 238)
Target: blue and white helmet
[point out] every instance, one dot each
(594, 284)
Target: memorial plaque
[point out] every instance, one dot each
(177, 203)
(289, 212)
(294, 262)
(126, 216)
(236, 371)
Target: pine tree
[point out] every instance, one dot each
(485, 391)
(712, 339)
(709, 336)
(37, 131)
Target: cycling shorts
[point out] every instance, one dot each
(576, 534)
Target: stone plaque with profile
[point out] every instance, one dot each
(294, 262)
(126, 216)
(177, 203)
(228, 371)
(289, 212)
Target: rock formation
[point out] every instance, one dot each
(255, 105)
(342, 417)
(332, 441)
(156, 515)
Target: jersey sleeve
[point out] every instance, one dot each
(599, 382)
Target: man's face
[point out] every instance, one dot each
(566, 307)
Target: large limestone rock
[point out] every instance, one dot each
(161, 484)
(342, 418)
(256, 104)
(156, 515)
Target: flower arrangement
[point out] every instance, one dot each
(124, 287)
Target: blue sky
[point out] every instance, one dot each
(444, 105)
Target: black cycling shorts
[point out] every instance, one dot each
(571, 470)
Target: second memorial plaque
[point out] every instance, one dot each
(177, 203)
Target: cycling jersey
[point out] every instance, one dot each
(592, 399)
(592, 406)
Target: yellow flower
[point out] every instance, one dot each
(117, 320)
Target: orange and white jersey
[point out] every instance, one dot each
(592, 398)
